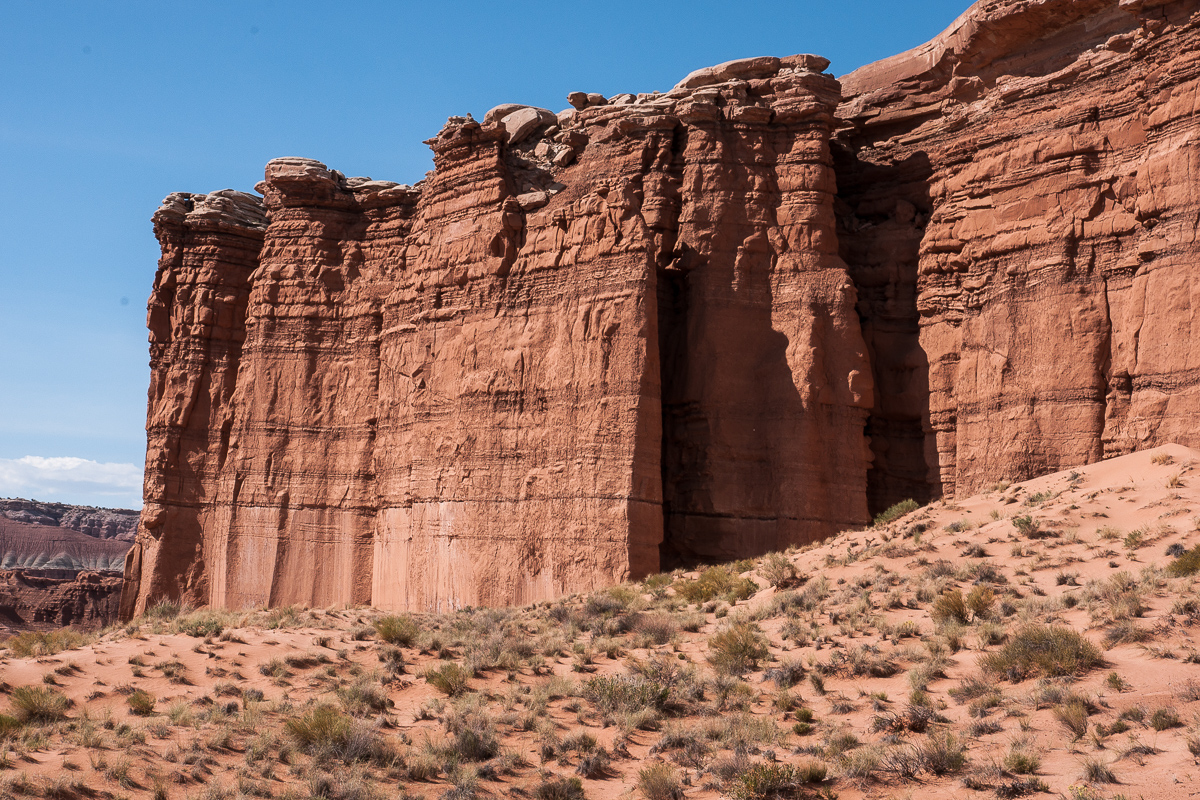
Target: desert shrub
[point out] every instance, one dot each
(32, 644)
(980, 600)
(474, 737)
(1073, 716)
(362, 697)
(778, 569)
(141, 703)
(659, 628)
(1021, 761)
(1027, 526)
(1188, 563)
(167, 609)
(789, 673)
(943, 753)
(1164, 718)
(625, 693)
(9, 726)
(201, 624)
(770, 780)
(950, 607)
(559, 789)
(895, 512)
(324, 731)
(39, 704)
(1096, 770)
(659, 782)
(401, 631)
(1049, 650)
(450, 678)
(737, 648)
(713, 583)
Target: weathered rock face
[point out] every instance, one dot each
(657, 329)
(1020, 215)
(43, 599)
(588, 343)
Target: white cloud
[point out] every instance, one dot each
(72, 480)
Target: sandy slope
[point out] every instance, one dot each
(862, 602)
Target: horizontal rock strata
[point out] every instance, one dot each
(587, 343)
(666, 328)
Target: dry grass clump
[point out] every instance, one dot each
(141, 703)
(768, 780)
(1188, 563)
(659, 782)
(401, 631)
(713, 583)
(895, 512)
(1043, 650)
(737, 648)
(450, 678)
(35, 644)
(559, 789)
(39, 704)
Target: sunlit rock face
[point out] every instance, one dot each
(670, 328)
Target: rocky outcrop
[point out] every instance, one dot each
(665, 328)
(587, 344)
(44, 599)
(103, 523)
(1019, 212)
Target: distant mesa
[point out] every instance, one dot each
(60, 564)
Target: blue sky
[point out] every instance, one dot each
(107, 107)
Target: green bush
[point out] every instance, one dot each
(398, 630)
(449, 679)
(141, 703)
(895, 512)
(1187, 564)
(716, 582)
(39, 704)
(1043, 650)
(737, 648)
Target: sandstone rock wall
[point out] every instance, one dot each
(1019, 210)
(587, 345)
(663, 328)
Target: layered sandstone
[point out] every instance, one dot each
(675, 327)
(1020, 216)
(585, 344)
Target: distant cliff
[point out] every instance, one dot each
(102, 523)
(663, 328)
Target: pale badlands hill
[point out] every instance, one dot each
(886, 663)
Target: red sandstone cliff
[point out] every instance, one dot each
(585, 343)
(1020, 202)
(651, 330)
